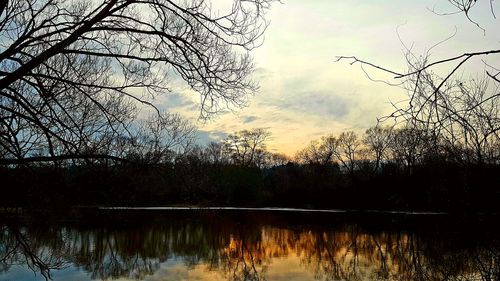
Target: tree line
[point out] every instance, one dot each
(77, 86)
(386, 167)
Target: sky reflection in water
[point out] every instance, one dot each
(216, 245)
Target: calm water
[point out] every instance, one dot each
(244, 245)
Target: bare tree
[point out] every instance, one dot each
(344, 149)
(470, 119)
(455, 114)
(277, 159)
(348, 146)
(465, 6)
(161, 138)
(410, 145)
(377, 140)
(245, 147)
(215, 153)
(100, 52)
(460, 115)
(319, 152)
(427, 90)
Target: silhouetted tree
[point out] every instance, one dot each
(444, 105)
(277, 159)
(161, 138)
(465, 6)
(409, 146)
(471, 119)
(60, 58)
(318, 152)
(247, 147)
(215, 153)
(377, 140)
(348, 146)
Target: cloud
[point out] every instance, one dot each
(206, 137)
(249, 119)
(325, 104)
(304, 94)
(174, 100)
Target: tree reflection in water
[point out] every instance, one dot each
(246, 251)
(39, 251)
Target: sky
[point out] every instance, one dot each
(304, 94)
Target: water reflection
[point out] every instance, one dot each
(220, 246)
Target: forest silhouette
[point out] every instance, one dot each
(389, 169)
(79, 125)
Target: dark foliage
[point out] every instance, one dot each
(433, 185)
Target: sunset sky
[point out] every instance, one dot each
(304, 94)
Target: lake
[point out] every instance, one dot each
(230, 244)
